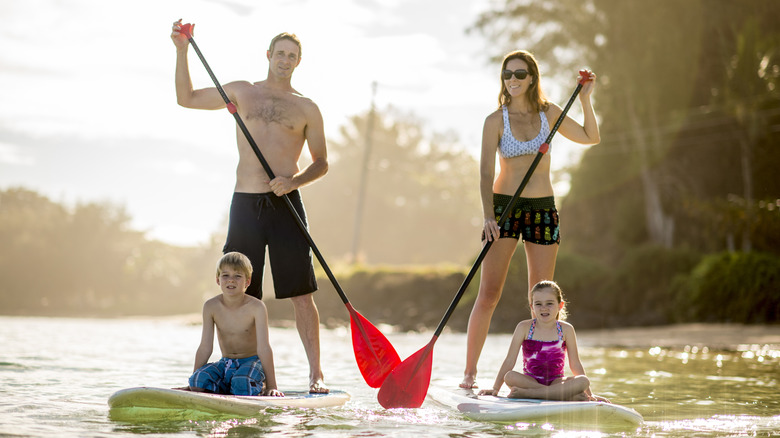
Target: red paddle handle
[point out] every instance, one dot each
(584, 74)
(186, 30)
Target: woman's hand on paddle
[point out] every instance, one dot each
(179, 39)
(490, 230)
(589, 85)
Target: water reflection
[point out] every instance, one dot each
(57, 375)
(698, 389)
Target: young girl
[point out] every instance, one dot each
(545, 341)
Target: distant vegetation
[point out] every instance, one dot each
(675, 216)
(85, 261)
(421, 201)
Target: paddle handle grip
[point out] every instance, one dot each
(585, 76)
(186, 29)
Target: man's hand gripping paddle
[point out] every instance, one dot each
(407, 385)
(374, 354)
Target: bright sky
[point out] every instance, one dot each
(88, 109)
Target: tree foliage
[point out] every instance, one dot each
(731, 287)
(88, 261)
(689, 105)
(421, 200)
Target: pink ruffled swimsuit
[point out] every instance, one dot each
(544, 360)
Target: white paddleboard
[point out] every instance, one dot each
(147, 399)
(502, 409)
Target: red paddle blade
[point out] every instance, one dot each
(407, 385)
(374, 354)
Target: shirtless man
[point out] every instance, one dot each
(280, 120)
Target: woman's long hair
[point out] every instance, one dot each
(535, 95)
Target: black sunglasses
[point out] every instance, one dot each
(519, 74)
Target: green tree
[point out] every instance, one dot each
(27, 241)
(86, 260)
(753, 76)
(422, 198)
(664, 68)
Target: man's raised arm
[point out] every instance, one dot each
(206, 98)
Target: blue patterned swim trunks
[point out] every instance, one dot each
(230, 376)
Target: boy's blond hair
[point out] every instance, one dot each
(237, 261)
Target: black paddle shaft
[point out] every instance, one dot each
(231, 107)
(505, 214)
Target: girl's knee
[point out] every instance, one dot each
(515, 379)
(582, 382)
(511, 378)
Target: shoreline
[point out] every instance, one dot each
(717, 336)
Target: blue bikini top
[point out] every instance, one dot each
(512, 147)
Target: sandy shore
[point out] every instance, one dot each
(713, 336)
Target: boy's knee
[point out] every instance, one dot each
(248, 380)
(199, 384)
(246, 386)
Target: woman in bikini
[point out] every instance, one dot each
(514, 132)
(546, 341)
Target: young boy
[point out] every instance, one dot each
(242, 329)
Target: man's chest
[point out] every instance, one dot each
(273, 111)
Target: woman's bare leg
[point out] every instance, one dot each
(541, 264)
(494, 271)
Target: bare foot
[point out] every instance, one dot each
(469, 382)
(515, 392)
(318, 387)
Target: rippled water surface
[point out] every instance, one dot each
(56, 375)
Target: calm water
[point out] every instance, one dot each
(56, 375)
